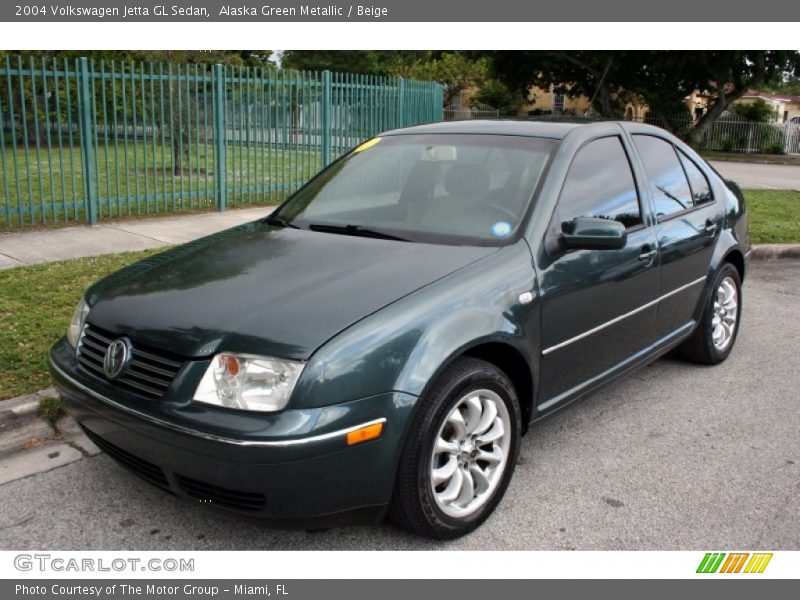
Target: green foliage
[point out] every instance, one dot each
(36, 305)
(362, 62)
(759, 111)
(236, 58)
(775, 148)
(661, 79)
(455, 70)
(50, 410)
(497, 94)
(788, 85)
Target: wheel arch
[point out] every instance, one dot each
(736, 258)
(506, 357)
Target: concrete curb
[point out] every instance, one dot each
(29, 445)
(774, 251)
(20, 426)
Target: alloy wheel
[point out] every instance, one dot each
(726, 313)
(470, 453)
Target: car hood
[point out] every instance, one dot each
(265, 290)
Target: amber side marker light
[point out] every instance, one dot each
(365, 434)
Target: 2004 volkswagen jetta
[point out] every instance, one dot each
(384, 338)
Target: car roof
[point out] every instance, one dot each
(554, 129)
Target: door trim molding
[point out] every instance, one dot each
(615, 320)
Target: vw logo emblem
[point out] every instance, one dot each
(117, 356)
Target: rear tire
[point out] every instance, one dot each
(715, 335)
(460, 452)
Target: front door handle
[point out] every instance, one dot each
(647, 254)
(711, 227)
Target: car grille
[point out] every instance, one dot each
(146, 470)
(148, 374)
(212, 494)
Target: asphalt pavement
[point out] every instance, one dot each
(674, 457)
(761, 176)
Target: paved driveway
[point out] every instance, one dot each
(753, 175)
(674, 457)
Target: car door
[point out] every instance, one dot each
(597, 306)
(688, 222)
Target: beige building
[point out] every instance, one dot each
(542, 101)
(786, 106)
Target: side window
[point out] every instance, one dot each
(668, 181)
(701, 190)
(600, 184)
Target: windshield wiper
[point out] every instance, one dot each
(270, 220)
(355, 230)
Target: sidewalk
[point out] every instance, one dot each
(47, 245)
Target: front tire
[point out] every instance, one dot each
(715, 335)
(460, 452)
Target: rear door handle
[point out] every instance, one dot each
(711, 227)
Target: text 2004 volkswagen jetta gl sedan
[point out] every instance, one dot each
(381, 342)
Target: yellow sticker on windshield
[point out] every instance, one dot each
(367, 144)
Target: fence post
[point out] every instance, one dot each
(401, 102)
(87, 140)
(326, 118)
(220, 133)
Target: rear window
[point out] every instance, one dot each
(668, 184)
(701, 189)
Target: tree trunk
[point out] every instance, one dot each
(604, 103)
(714, 112)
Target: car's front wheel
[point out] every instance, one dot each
(715, 335)
(460, 452)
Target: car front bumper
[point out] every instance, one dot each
(312, 478)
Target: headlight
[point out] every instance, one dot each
(78, 320)
(248, 382)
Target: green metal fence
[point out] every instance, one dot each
(84, 140)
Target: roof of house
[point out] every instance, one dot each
(772, 96)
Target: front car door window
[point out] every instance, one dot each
(600, 184)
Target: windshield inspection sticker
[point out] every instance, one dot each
(367, 144)
(501, 229)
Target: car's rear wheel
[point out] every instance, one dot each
(715, 335)
(460, 453)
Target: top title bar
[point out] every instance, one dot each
(400, 10)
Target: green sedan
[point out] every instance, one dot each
(379, 344)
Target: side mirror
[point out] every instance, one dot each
(590, 233)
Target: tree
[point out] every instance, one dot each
(455, 71)
(789, 85)
(498, 95)
(362, 62)
(661, 79)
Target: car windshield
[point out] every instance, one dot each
(437, 188)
